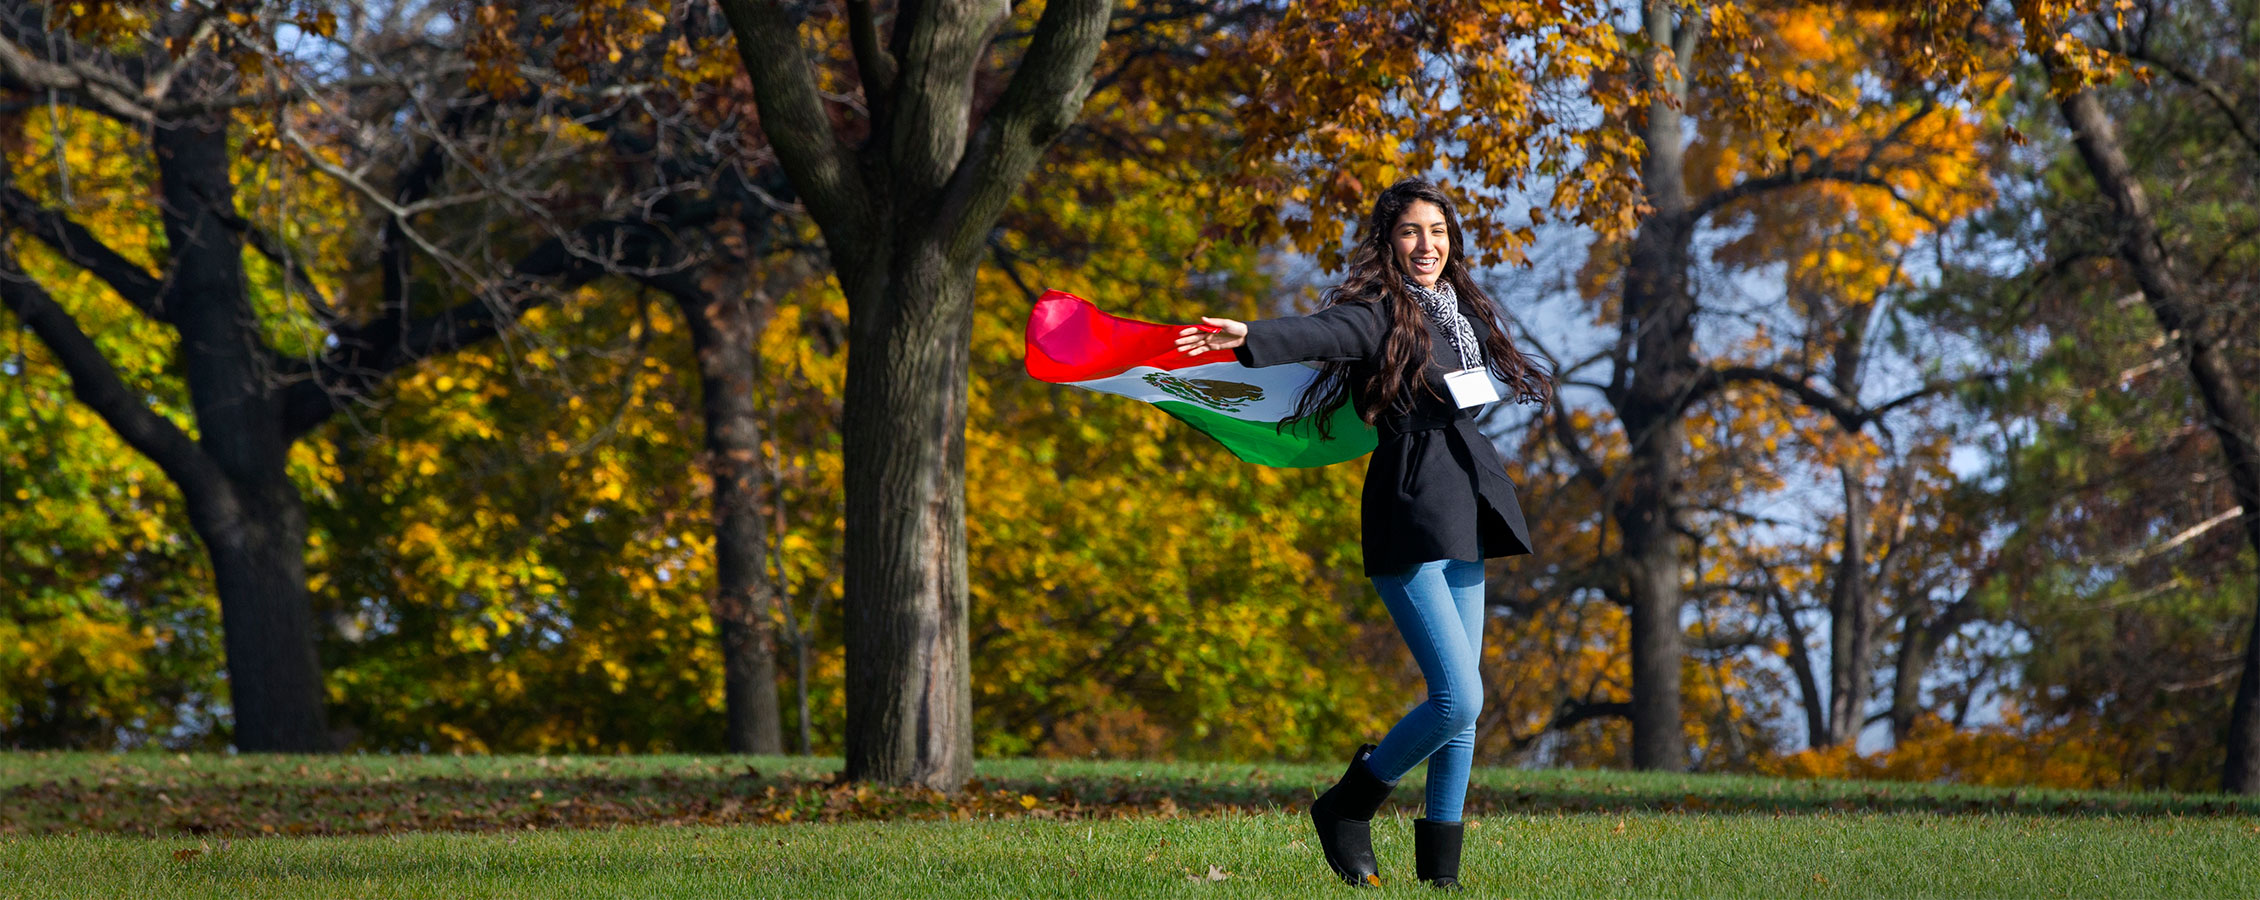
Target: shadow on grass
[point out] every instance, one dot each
(362, 803)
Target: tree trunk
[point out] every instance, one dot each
(2226, 409)
(723, 337)
(1801, 666)
(1658, 325)
(1851, 619)
(254, 526)
(909, 698)
(1907, 679)
(905, 211)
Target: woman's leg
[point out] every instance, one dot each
(1438, 608)
(1448, 767)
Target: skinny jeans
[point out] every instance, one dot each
(1438, 608)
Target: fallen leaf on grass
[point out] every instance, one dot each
(186, 855)
(1214, 874)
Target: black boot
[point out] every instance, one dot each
(1436, 853)
(1344, 818)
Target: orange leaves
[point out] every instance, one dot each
(1382, 91)
(2008, 754)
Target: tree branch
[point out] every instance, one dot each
(1043, 98)
(792, 117)
(97, 89)
(362, 360)
(81, 248)
(294, 272)
(1801, 666)
(96, 383)
(1729, 640)
(1752, 186)
(1849, 414)
(1574, 712)
(1588, 469)
(872, 62)
(2220, 99)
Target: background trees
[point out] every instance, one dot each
(1873, 454)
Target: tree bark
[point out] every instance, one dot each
(909, 697)
(253, 526)
(1918, 644)
(1801, 666)
(1658, 326)
(905, 216)
(723, 335)
(2227, 410)
(1851, 619)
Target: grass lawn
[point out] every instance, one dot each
(162, 826)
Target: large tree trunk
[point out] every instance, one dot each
(723, 337)
(2226, 409)
(905, 212)
(253, 527)
(909, 700)
(1658, 325)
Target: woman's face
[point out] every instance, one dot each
(1422, 241)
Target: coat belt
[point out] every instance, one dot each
(1408, 424)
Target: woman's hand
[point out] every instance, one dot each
(1222, 334)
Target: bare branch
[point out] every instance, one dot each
(1848, 413)
(2220, 98)
(95, 88)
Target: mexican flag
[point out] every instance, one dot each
(1071, 342)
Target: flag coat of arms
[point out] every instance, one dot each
(1071, 341)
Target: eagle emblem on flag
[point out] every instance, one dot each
(1229, 396)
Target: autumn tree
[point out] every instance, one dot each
(232, 470)
(2146, 99)
(1478, 91)
(905, 186)
(2199, 340)
(272, 341)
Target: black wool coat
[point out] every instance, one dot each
(1435, 488)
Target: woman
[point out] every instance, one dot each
(1437, 501)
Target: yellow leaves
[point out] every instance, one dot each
(420, 536)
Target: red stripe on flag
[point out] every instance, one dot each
(1069, 339)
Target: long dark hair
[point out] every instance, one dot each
(1376, 276)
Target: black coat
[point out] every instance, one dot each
(1435, 488)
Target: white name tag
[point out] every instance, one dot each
(1471, 387)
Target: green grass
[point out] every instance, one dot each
(1059, 829)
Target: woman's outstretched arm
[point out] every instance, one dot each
(1342, 332)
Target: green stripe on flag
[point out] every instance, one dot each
(1261, 443)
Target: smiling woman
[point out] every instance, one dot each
(1400, 334)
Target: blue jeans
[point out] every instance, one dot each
(1438, 607)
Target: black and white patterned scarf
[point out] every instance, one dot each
(1443, 306)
